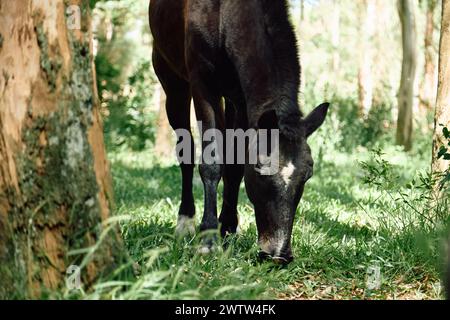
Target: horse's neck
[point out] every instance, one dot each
(266, 59)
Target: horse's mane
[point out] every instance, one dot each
(287, 65)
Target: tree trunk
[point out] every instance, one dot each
(365, 77)
(55, 187)
(301, 23)
(336, 37)
(164, 147)
(406, 92)
(447, 271)
(442, 114)
(428, 88)
(302, 11)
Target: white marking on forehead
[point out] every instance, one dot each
(287, 173)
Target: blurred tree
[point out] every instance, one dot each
(428, 86)
(409, 64)
(124, 74)
(447, 272)
(55, 187)
(163, 145)
(300, 40)
(302, 10)
(441, 140)
(335, 37)
(367, 15)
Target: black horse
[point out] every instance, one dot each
(244, 52)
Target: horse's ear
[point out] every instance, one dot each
(315, 119)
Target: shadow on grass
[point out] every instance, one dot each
(337, 229)
(136, 187)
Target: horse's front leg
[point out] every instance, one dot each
(209, 114)
(233, 172)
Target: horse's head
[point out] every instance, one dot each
(275, 185)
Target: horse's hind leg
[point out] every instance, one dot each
(178, 112)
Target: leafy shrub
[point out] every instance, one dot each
(415, 198)
(375, 129)
(444, 154)
(129, 122)
(125, 77)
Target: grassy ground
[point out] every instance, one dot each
(344, 230)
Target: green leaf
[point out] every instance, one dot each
(446, 132)
(442, 152)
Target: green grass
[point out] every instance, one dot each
(343, 228)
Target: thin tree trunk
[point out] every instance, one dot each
(447, 271)
(163, 145)
(55, 187)
(365, 77)
(300, 41)
(302, 10)
(336, 37)
(406, 92)
(428, 88)
(442, 114)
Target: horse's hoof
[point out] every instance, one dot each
(204, 250)
(137, 269)
(282, 261)
(185, 226)
(278, 260)
(208, 246)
